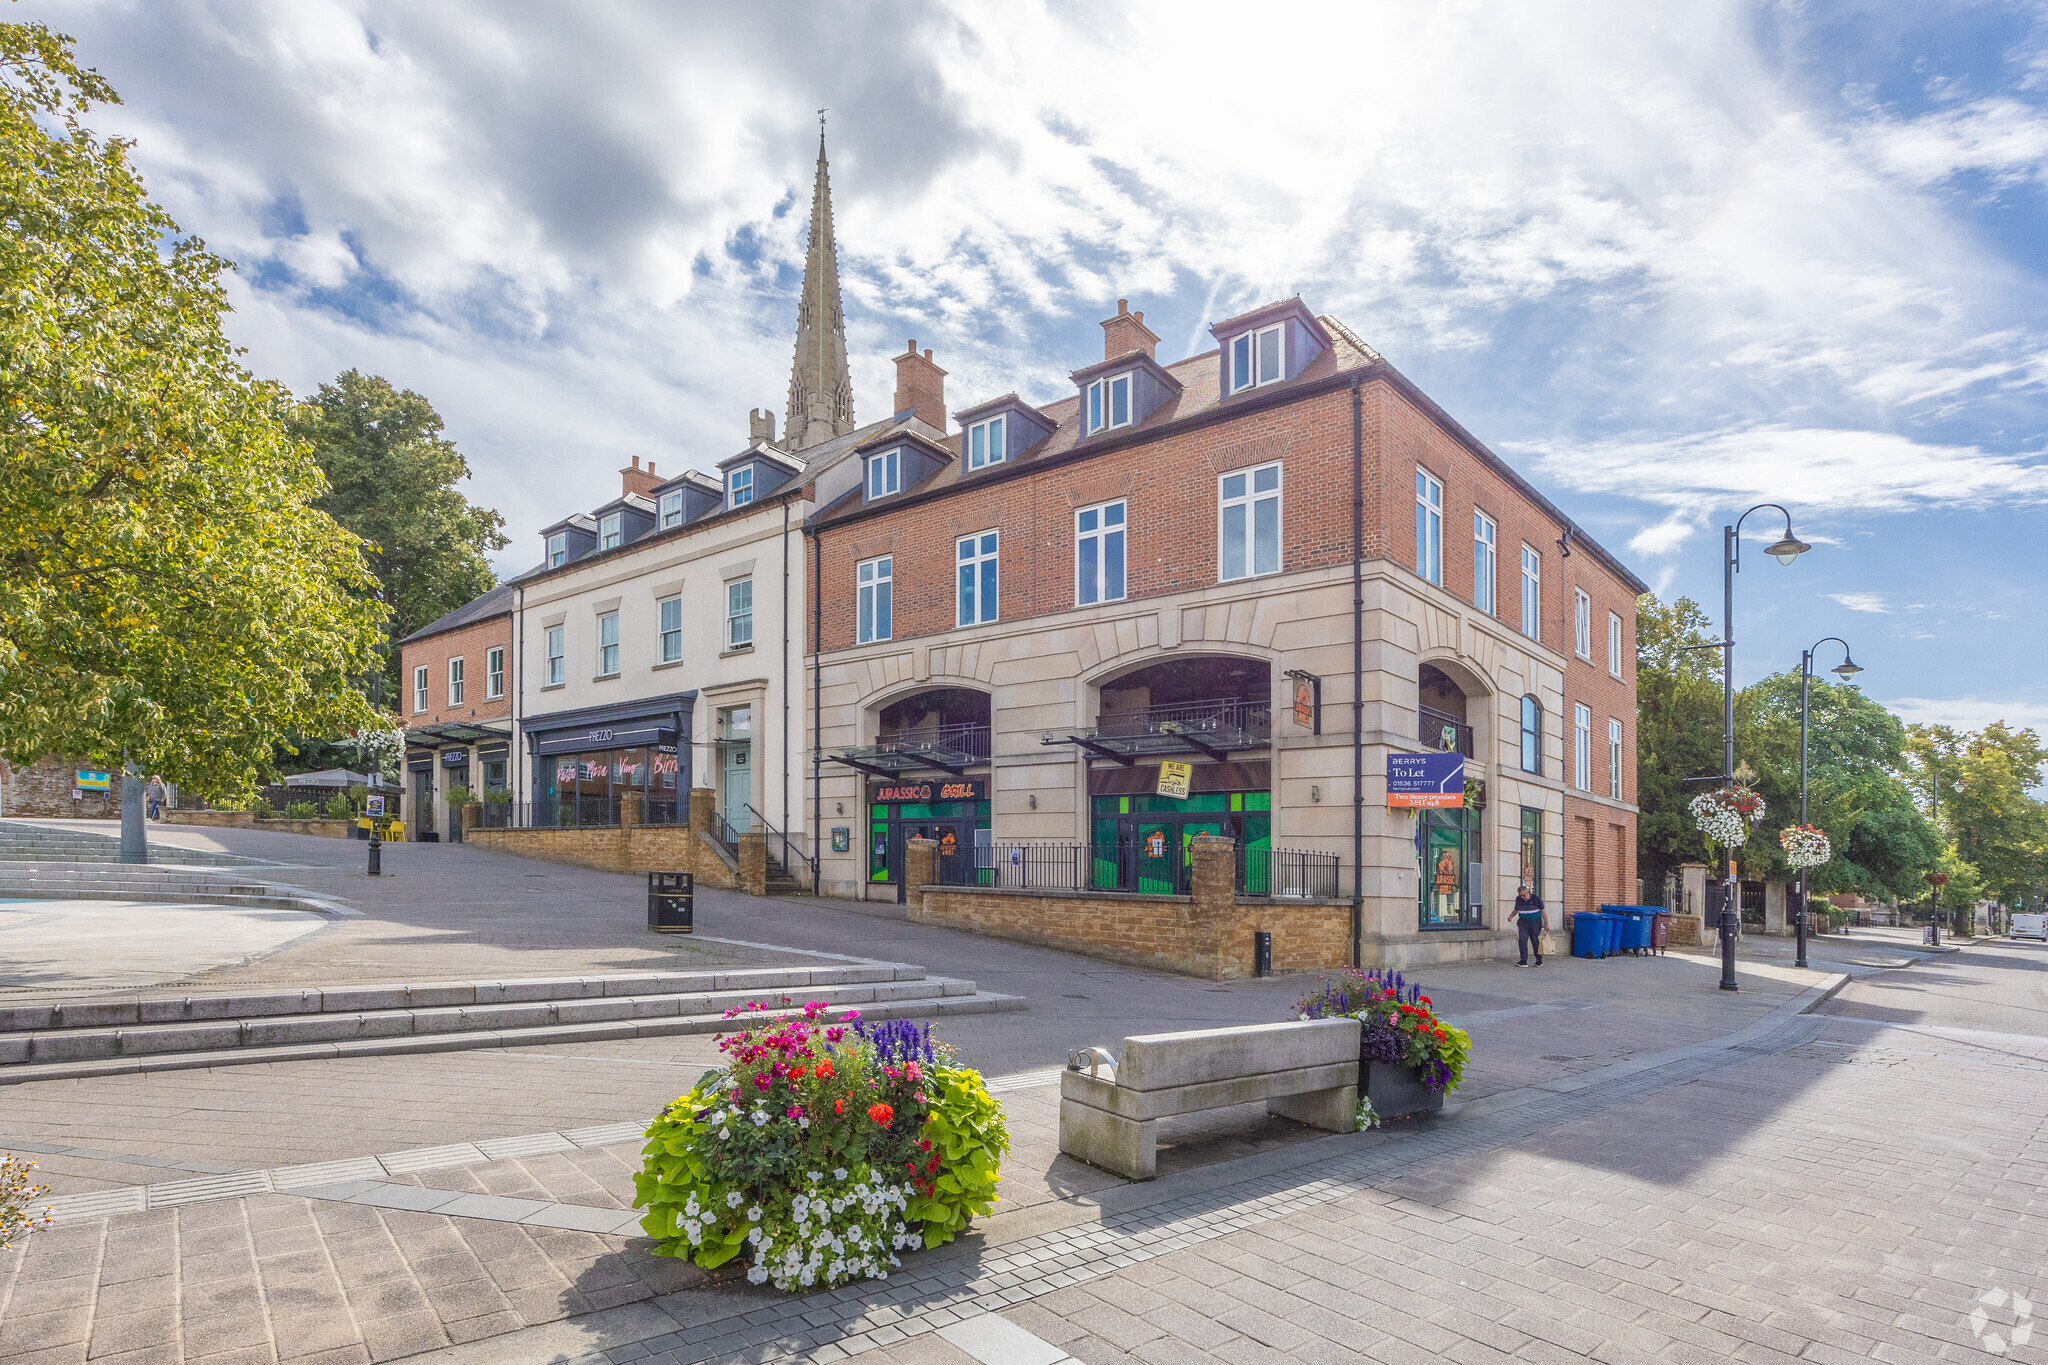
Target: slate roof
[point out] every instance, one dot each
(496, 602)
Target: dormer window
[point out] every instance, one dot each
(885, 473)
(1257, 358)
(558, 549)
(740, 487)
(609, 532)
(1109, 403)
(671, 509)
(985, 444)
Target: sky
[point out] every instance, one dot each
(1669, 260)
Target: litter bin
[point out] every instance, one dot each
(671, 902)
(1660, 930)
(1589, 934)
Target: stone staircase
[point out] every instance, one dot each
(23, 842)
(52, 1038)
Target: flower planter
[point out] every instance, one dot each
(1396, 1090)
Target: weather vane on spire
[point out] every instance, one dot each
(821, 123)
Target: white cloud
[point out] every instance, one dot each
(1665, 537)
(1973, 712)
(1862, 601)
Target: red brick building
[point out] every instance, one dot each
(457, 679)
(1049, 602)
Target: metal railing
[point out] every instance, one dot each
(1287, 872)
(1443, 733)
(1232, 720)
(791, 856)
(724, 833)
(970, 741)
(1130, 866)
(552, 812)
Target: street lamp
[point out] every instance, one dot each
(1788, 548)
(1845, 670)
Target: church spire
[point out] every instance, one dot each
(820, 385)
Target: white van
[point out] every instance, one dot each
(2029, 926)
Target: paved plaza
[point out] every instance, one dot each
(1832, 1164)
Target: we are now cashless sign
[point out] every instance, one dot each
(1417, 781)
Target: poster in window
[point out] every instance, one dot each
(1155, 844)
(842, 838)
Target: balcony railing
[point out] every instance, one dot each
(949, 748)
(1443, 733)
(1213, 728)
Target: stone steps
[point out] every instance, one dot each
(44, 843)
(90, 1036)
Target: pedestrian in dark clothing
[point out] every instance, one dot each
(1529, 925)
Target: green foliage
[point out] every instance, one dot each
(1979, 788)
(392, 479)
(339, 806)
(966, 1125)
(168, 590)
(497, 796)
(1678, 730)
(300, 810)
(459, 795)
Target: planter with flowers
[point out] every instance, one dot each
(822, 1149)
(1408, 1058)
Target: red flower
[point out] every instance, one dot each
(825, 1070)
(839, 1106)
(881, 1114)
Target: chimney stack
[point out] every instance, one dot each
(761, 425)
(1127, 333)
(920, 386)
(638, 480)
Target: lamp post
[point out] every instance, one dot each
(1846, 669)
(1785, 550)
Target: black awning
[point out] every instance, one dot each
(945, 752)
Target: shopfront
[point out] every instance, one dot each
(1144, 841)
(952, 811)
(588, 764)
(1450, 857)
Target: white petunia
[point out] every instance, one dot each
(732, 1199)
(756, 1275)
(754, 1214)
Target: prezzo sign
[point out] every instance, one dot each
(602, 736)
(1425, 780)
(966, 789)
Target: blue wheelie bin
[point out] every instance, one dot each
(1634, 923)
(1592, 934)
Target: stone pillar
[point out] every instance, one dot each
(920, 867)
(1214, 876)
(471, 816)
(1774, 909)
(753, 857)
(703, 802)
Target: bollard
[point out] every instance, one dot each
(1262, 953)
(376, 851)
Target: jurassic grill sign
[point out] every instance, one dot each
(925, 793)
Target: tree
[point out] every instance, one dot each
(168, 591)
(391, 479)
(1678, 731)
(1978, 786)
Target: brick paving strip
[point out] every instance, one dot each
(1119, 1228)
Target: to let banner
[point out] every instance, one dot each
(1425, 780)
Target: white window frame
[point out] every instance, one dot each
(420, 687)
(1429, 526)
(1614, 757)
(558, 549)
(608, 645)
(1098, 403)
(1582, 746)
(874, 599)
(1582, 624)
(556, 646)
(494, 673)
(1249, 501)
(1614, 643)
(1485, 581)
(1249, 353)
(1102, 534)
(455, 671)
(885, 473)
(611, 531)
(739, 486)
(1532, 593)
(739, 614)
(671, 509)
(671, 635)
(984, 442)
(978, 569)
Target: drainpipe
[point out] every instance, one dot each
(817, 694)
(518, 750)
(1357, 676)
(783, 666)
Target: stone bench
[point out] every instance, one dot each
(1109, 1111)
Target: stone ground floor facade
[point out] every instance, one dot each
(1006, 738)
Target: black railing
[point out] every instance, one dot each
(664, 807)
(724, 833)
(784, 853)
(1287, 872)
(552, 812)
(1443, 733)
(966, 741)
(1231, 720)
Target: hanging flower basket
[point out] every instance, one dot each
(1805, 845)
(1726, 815)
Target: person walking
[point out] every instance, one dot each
(1529, 924)
(156, 798)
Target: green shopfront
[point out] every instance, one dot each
(952, 811)
(1143, 841)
